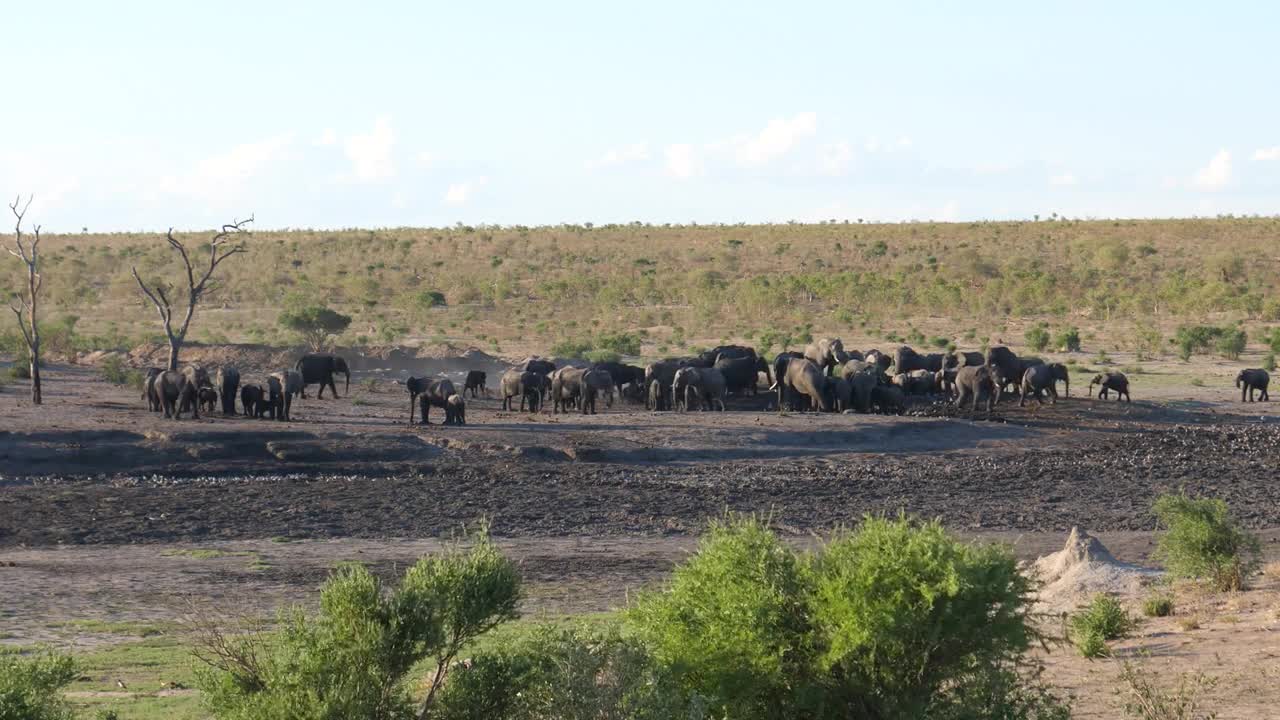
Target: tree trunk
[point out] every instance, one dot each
(35, 380)
(175, 344)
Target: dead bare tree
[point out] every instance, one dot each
(29, 254)
(223, 245)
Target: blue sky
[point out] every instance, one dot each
(141, 115)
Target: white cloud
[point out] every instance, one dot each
(682, 161)
(370, 154)
(834, 158)
(460, 193)
(949, 212)
(1064, 180)
(426, 159)
(328, 136)
(1271, 153)
(1216, 174)
(776, 140)
(398, 200)
(636, 152)
(223, 174)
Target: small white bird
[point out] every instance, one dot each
(120, 684)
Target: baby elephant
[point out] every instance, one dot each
(477, 381)
(1111, 381)
(254, 400)
(208, 399)
(1250, 380)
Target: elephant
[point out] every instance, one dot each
(455, 409)
(433, 392)
(653, 399)
(839, 394)
(804, 377)
(253, 400)
(197, 376)
(176, 394)
(888, 399)
(1006, 362)
(319, 369)
(1060, 372)
(281, 388)
(708, 358)
(906, 359)
(917, 382)
(621, 374)
(208, 399)
(664, 373)
(602, 382)
(149, 391)
(228, 381)
(533, 363)
(879, 359)
(569, 386)
(862, 385)
(477, 381)
(853, 355)
(858, 366)
(711, 388)
(827, 353)
(528, 385)
(1250, 380)
(974, 382)
(1035, 380)
(742, 373)
(1111, 381)
(945, 380)
(780, 362)
(958, 359)
(686, 384)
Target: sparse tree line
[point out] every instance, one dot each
(894, 619)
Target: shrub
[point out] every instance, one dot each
(31, 686)
(1231, 343)
(571, 348)
(20, 370)
(620, 343)
(1273, 340)
(1145, 699)
(1067, 340)
(1104, 618)
(1158, 605)
(1037, 337)
(116, 372)
(353, 659)
(1203, 541)
(940, 342)
(600, 356)
(315, 324)
(1269, 362)
(1195, 338)
(1147, 341)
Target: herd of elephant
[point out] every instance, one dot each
(192, 389)
(823, 377)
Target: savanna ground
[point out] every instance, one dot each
(116, 524)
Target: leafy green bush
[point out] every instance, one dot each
(1272, 339)
(354, 658)
(940, 342)
(315, 323)
(1232, 342)
(770, 339)
(31, 685)
(1269, 362)
(571, 348)
(116, 372)
(1195, 338)
(1104, 618)
(601, 356)
(1158, 605)
(1067, 340)
(621, 343)
(893, 620)
(1037, 337)
(1203, 541)
(1147, 341)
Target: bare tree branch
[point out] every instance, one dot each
(30, 256)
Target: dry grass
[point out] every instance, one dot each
(511, 289)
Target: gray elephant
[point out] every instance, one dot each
(917, 382)
(803, 377)
(149, 391)
(254, 400)
(708, 358)
(281, 389)
(879, 359)
(569, 387)
(177, 395)
(653, 399)
(888, 399)
(1060, 372)
(862, 385)
(686, 387)
(742, 373)
(535, 364)
(839, 394)
(427, 393)
(1007, 364)
(973, 382)
(197, 376)
(906, 359)
(319, 369)
(663, 372)
(1038, 379)
(945, 380)
(602, 383)
(527, 385)
(622, 375)
(958, 359)
(779, 365)
(858, 366)
(827, 354)
(1254, 379)
(227, 383)
(208, 399)
(712, 388)
(477, 382)
(1111, 381)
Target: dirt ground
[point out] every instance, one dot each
(109, 512)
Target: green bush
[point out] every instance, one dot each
(315, 323)
(1067, 340)
(570, 348)
(600, 356)
(1273, 340)
(1147, 341)
(1232, 342)
(429, 299)
(621, 343)
(1203, 541)
(1158, 605)
(1104, 618)
(1269, 362)
(770, 339)
(893, 620)
(116, 372)
(31, 685)
(940, 342)
(353, 659)
(20, 370)
(1195, 338)
(1037, 337)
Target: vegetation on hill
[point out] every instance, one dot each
(518, 286)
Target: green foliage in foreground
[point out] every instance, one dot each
(893, 620)
(354, 659)
(1203, 541)
(31, 686)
